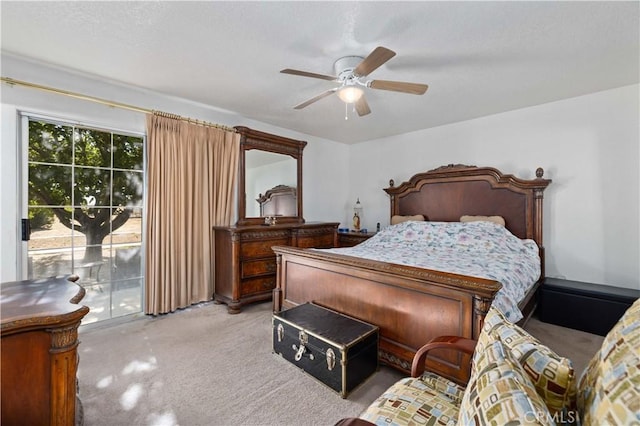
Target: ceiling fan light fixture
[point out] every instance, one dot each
(350, 94)
(351, 73)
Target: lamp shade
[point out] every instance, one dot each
(350, 94)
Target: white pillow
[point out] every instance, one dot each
(495, 219)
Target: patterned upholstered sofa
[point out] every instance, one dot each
(516, 380)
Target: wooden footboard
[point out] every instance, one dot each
(410, 305)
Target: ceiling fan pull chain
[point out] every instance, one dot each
(346, 111)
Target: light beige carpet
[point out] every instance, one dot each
(576, 345)
(202, 366)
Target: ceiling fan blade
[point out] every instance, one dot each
(379, 56)
(315, 99)
(399, 86)
(362, 107)
(309, 74)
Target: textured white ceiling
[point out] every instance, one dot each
(478, 58)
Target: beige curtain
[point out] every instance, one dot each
(192, 172)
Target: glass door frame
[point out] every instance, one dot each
(23, 119)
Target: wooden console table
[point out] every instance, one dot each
(39, 330)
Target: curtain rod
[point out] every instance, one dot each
(13, 82)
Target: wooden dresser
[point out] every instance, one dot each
(245, 265)
(39, 328)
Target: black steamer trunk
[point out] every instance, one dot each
(338, 350)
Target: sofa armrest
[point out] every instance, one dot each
(443, 342)
(353, 421)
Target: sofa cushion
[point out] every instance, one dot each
(609, 389)
(499, 392)
(552, 375)
(451, 389)
(416, 401)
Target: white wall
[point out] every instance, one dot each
(325, 163)
(587, 145)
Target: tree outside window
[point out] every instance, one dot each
(90, 180)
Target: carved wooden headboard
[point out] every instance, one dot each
(281, 200)
(449, 192)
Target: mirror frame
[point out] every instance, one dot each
(254, 139)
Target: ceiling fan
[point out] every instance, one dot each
(350, 74)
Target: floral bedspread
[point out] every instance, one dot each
(479, 249)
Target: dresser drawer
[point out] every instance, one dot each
(253, 249)
(258, 285)
(316, 237)
(316, 241)
(252, 268)
(350, 239)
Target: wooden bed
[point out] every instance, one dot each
(412, 305)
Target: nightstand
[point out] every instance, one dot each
(352, 238)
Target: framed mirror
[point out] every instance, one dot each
(269, 178)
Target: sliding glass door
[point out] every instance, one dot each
(84, 204)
